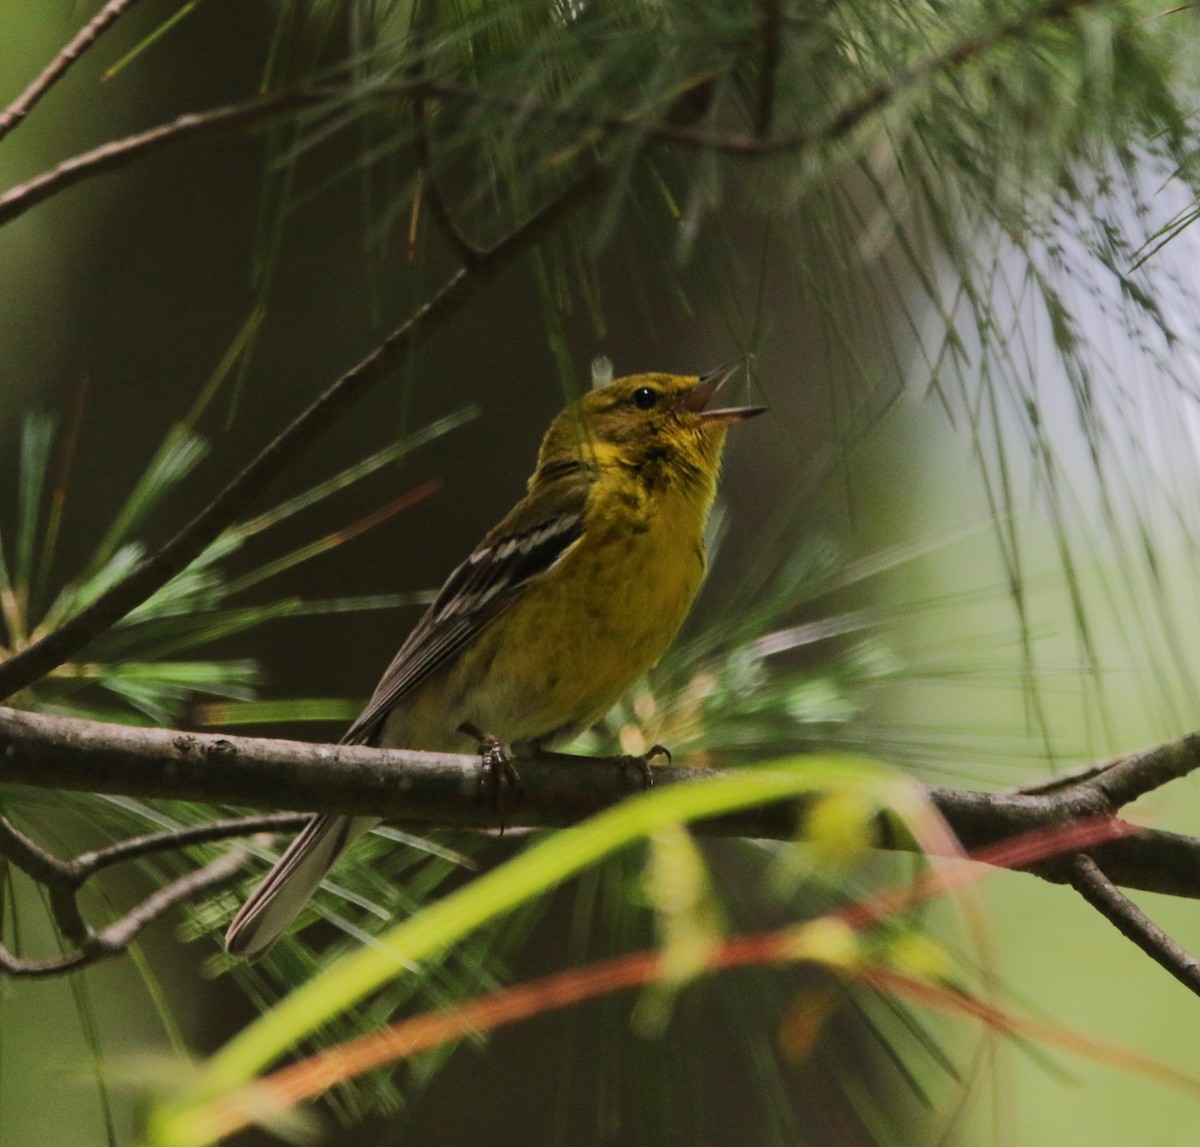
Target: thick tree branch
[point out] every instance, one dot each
(424, 789)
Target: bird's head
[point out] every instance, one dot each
(649, 423)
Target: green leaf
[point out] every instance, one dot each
(37, 435)
(688, 917)
(176, 457)
(541, 867)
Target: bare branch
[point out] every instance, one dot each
(430, 191)
(1064, 780)
(425, 789)
(1091, 883)
(113, 940)
(32, 860)
(54, 872)
(88, 863)
(58, 67)
(117, 935)
(14, 966)
(120, 153)
(1130, 777)
(64, 878)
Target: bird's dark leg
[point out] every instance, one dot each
(495, 763)
(642, 763)
(623, 761)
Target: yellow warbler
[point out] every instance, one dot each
(561, 608)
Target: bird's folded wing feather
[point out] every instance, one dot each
(522, 549)
(517, 554)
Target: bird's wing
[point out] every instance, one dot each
(523, 548)
(518, 553)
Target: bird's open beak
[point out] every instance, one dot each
(697, 399)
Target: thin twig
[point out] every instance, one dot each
(64, 907)
(31, 859)
(15, 966)
(115, 938)
(1064, 780)
(467, 251)
(225, 868)
(54, 872)
(87, 864)
(431, 191)
(1132, 776)
(1091, 883)
(120, 153)
(58, 67)
(752, 145)
(63, 879)
(56, 875)
(168, 560)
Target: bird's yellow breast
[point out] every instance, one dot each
(605, 614)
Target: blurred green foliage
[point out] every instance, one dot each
(955, 237)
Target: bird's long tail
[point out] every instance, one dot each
(274, 904)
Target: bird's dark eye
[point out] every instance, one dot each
(645, 397)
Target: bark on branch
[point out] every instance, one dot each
(424, 789)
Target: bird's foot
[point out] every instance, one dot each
(642, 763)
(494, 765)
(623, 761)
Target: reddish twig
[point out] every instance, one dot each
(317, 1073)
